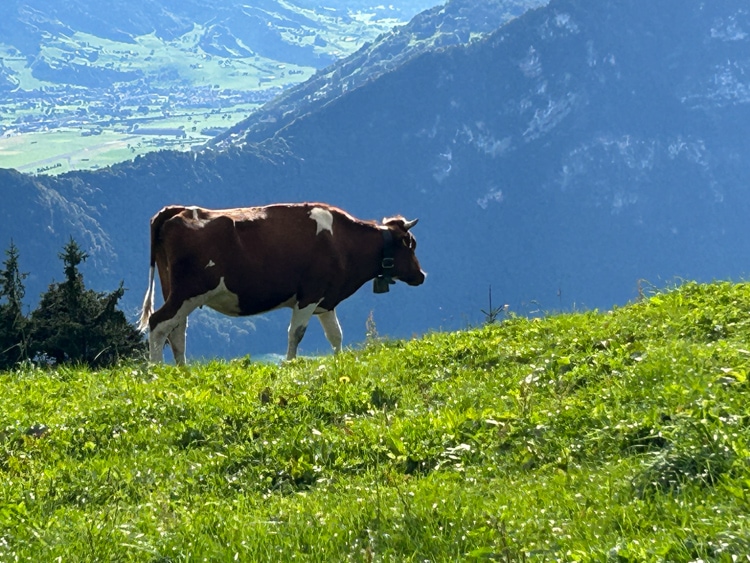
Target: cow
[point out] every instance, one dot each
(249, 260)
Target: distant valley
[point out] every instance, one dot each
(83, 86)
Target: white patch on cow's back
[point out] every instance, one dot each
(198, 219)
(323, 218)
(210, 264)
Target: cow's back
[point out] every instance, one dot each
(289, 255)
(266, 256)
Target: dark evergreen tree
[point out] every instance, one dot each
(77, 325)
(13, 323)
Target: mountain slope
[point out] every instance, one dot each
(579, 149)
(455, 23)
(589, 144)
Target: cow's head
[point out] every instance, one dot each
(399, 255)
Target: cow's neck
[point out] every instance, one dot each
(384, 277)
(365, 252)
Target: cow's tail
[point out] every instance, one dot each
(148, 301)
(157, 221)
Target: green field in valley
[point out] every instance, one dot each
(185, 96)
(595, 436)
(65, 149)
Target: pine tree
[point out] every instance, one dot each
(13, 323)
(77, 325)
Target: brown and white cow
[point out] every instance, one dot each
(244, 261)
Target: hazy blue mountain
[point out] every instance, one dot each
(580, 148)
(455, 23)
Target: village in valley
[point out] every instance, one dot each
(83, 102)
(125, 119)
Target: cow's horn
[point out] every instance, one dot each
(409, 224)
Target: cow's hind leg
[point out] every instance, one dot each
(169, 322)
(176, 341)
(332, 329)
(157, 338)
(298, 326)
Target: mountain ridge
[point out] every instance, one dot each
(454, 23)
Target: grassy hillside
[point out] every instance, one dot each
(597, 436)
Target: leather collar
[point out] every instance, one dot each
(387, 263)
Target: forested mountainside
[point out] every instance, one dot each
(579, 148)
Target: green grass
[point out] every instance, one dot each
(596, 436)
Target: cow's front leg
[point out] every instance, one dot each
(330, 323)
(298, 326)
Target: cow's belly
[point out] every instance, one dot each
(227, 302)
(224, 301)
(243, 296)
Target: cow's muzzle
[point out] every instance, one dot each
(417, 280)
